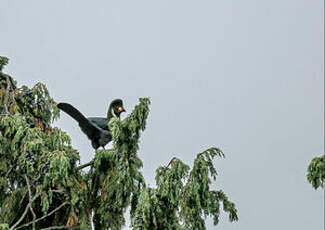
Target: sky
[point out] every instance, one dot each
(244, 76)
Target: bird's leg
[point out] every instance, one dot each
(103, 147)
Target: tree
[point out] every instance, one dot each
(316, 172)
(41, 186)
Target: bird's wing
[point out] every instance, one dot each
(90, 129)
(101, 122)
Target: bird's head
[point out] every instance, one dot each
(116, 108)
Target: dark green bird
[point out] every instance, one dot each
(96, 128)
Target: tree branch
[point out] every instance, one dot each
(21, 218)
(25, 212)
(30, 200)
(85, 165)
(43, 217)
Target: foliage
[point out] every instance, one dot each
(182, 197)
(41, 186)
(37, 162)
(3, 62)
(4, 227)
(118, 168)
(316, 172)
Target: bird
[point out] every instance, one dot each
(96, 128)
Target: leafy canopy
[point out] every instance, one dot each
(42, 186)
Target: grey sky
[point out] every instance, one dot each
(246, 76)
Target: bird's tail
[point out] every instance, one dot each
(73, 112)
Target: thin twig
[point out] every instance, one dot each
(11, 168)
(5, 115)
(61, 227)
(58, 190)
(22, 199)
(43, 217)
(171, 161)
(85, 165)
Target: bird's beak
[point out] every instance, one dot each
(123, 110)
